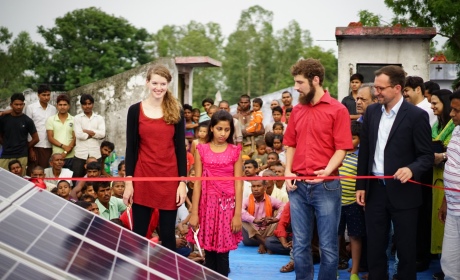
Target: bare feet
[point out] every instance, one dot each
(262, 249)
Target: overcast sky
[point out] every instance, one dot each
(320, 17)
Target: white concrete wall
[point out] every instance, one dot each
(413, 54)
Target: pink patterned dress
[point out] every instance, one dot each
(217, 202)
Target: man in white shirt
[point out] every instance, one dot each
(89, 129)
(413, 93)
(57, 171)
(39, 112)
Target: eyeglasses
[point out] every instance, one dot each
(380, 89)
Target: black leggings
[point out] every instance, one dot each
(217, 262)
(167, 224)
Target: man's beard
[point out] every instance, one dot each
(307, 98)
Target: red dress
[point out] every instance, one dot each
(157, 158)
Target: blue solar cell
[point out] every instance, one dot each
(19, 230)
(44, 204)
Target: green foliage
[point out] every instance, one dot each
(194, 39)
(330, 63)
(249, 53)
(88, 45)
(369, 19)
(15, 59)
(442, 14)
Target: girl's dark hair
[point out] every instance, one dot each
(279, 137)
(269, 139)
(187, 107)
(278, 124)
(443, 96)
(218, 116)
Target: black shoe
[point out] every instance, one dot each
(438, 276)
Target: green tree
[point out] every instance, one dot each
(87, 45)
(249, 53)
(15, 59)
(290, 43)
(368, 18)
(442, 14)
(194, 39)
(330, 64)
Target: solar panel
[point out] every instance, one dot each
(45, 237)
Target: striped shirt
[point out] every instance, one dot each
(349, 168)
(452, 173)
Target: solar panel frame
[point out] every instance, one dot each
(36, 224)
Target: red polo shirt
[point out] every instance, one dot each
(317, 131)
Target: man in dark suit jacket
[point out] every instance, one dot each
(395, 141)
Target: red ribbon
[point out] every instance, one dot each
(252, 178)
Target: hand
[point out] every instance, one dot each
(89, 132)
(194, 221)
(289, 186)
(319, 173)
(181, 242)
(181, 194)
(403, 174)
(287, 244)
(128, 194)
(259, 221)
(237, 224)
(271, 220)
(32, 155)
(442, 213)
(361, 197)
(438, 158)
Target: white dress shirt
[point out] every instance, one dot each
(39, 115)
(386, 122)
(88, 146)
(426, 106)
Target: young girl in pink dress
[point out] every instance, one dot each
(216, 205)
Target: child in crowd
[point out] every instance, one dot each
(260, 155)
(279, 148)
(190, 125)
(85, 205)
(88, 189)
(15, 167)
(352, 214)
(95, 208)
(212, 110)
(288, 115)
(257, 117)
(196, 118)
(118, 188)
(107, 157)
(277, 114)
(63, 190)
(121, 169)
(88, 198)
(93, 170)
(269, 141)
(201, 136)
(190, 158)
(278, 128)
(217, 205)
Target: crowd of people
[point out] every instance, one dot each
(398, 128)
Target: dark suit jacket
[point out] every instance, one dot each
(408, 145)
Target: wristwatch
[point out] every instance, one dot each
(65, 152)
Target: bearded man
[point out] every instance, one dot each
(318, 137)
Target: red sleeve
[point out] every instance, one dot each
(342, 132)
(284, 221)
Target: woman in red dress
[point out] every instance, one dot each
(154, 137)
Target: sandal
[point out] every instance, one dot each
(343, 264)
(288, 268)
